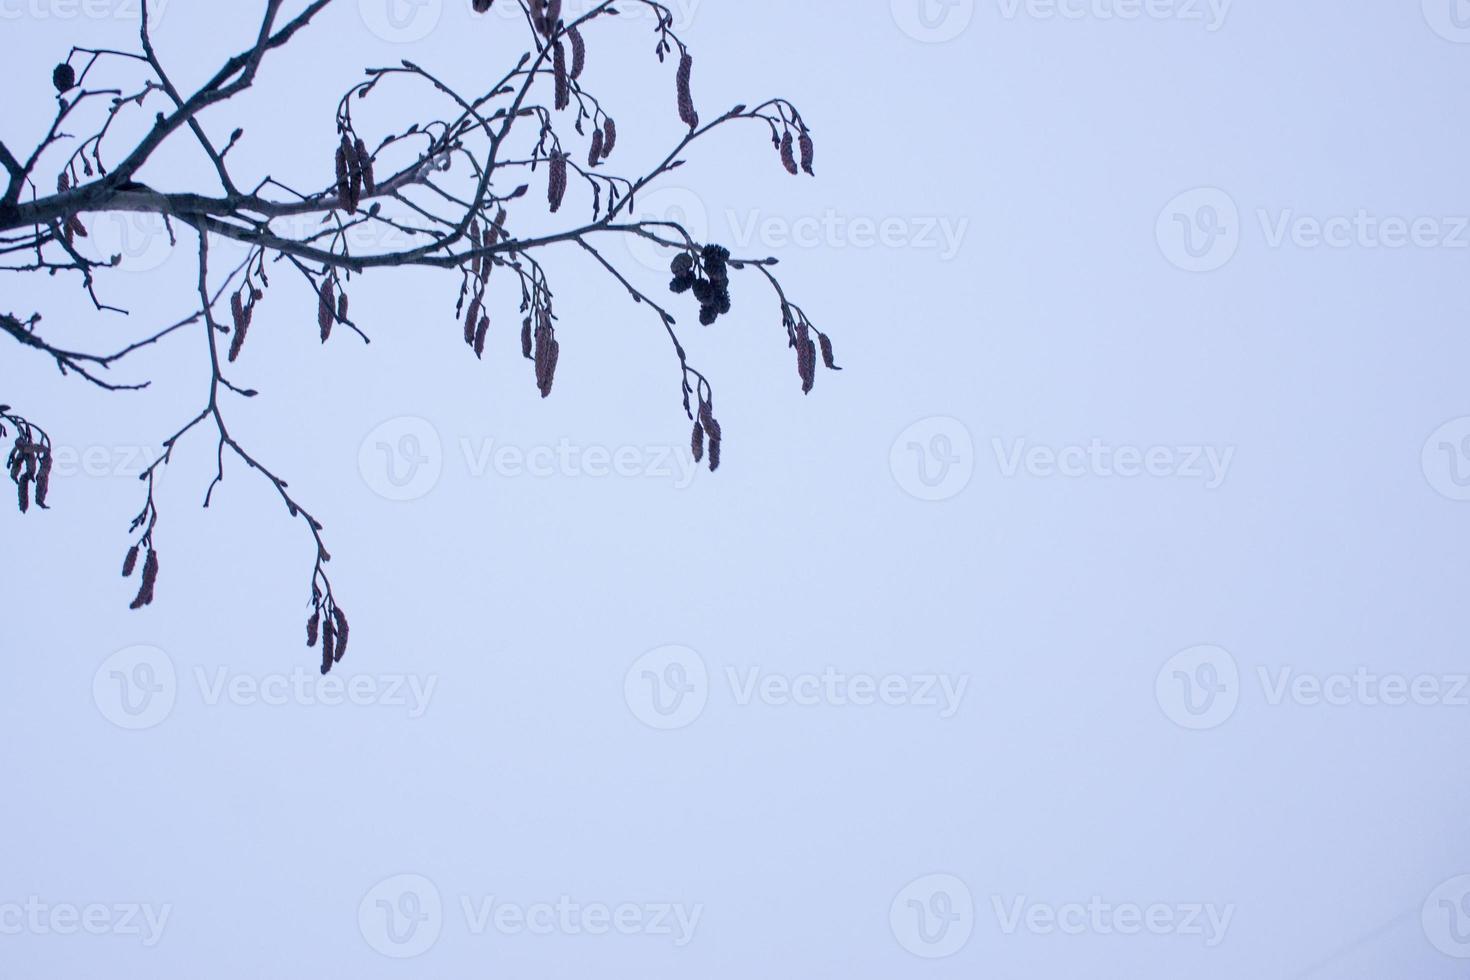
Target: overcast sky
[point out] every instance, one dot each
(1102, 617)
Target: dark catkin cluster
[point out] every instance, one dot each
(329, 625)
(29, 465)
(354, 166)
(150, 574)
(712, 289)
(64, 77)
(706, 431)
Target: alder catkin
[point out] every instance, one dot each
(365, 164)
(471, 318)
(344, 191)
(609, 136)
(594, 155)
(325, 309)
(312, 625)
(686, 97)
(696, 443)
(559, 73)
(808, 152)
(130, 562)
(788, 157)
(579, 51)
(556, 185)
(480, 332)
(340, 619)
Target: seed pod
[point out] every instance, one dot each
(130, 562)
(595, 153)
(64, 77)
(150, 578)
(344, 188)
(43, 479)
(312, 625)
(354, 175)
(686, 97)
(556, 185)
(341, 622)
(827, 358)
(471, 318)
(696, 443)
(480, 332)
(325, 309)
(806, 363)
(365, 164)
(547, 353)
(329, 644)
(579, 51)
(788, 157)
(609, 136)
(481, 6)
(808, 152)
(559, 73)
